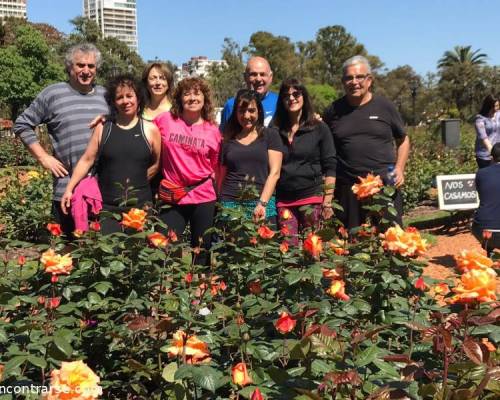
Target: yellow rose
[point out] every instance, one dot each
(75, 380)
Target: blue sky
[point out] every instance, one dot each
(413, 32)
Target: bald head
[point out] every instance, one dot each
(258, 75)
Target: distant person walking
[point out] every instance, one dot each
(487, 216)
(487, 125)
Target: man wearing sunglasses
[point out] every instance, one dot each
(369, 137)
(66, 108)
(259, 77)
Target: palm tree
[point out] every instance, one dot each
(462, 55)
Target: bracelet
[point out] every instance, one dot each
(262, 203)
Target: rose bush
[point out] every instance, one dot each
(338, 316)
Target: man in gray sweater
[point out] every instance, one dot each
(66, 108)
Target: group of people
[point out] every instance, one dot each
(486, 224)
(270, 153)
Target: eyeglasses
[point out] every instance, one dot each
(359, 78)
(295, 94)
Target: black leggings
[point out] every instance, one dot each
(200, 218)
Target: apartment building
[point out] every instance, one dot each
(13, 8)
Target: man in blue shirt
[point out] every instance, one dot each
(259, 77)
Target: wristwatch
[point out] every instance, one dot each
(262, 203)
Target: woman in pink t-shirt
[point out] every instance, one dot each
(190, 153)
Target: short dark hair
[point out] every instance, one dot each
(243, 98)
(281, 117)
(165, 70)
(123, 80)
(488, 105)
(495, 152)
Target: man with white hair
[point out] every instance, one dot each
(369, 137)
(66, 108)
(259, 77)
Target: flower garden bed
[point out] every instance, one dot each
(336, 317)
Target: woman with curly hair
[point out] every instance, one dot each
(191, 144)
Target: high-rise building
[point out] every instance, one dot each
(13, 8)
(116, 18)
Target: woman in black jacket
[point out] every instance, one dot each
(305, 189)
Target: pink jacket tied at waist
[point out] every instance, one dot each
(85, 196)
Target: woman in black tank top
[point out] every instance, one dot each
(128, 153)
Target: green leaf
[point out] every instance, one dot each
(105, 271)
(15, 362)
(293, 277)
(387, 368)
(103, 287)
(94, 298)
(208, 378)
(63, 345)
(367, 356)
(169, 372)
(37, 361)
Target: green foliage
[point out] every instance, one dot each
(227, 80)
(278, 50)
(119, 307)
(429, 158)
(13, 152)
(25, 203)
(26, 66)
(322, 96)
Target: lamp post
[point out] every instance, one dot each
(413, 89)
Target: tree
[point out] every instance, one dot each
(460, 71)
(227, 80)
(26, 66)
(462, 55)
(321, 60)
(278, 50)
(322, 96)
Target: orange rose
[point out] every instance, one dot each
(472, 259)
(75, 380)
(285, 323)
(337, 289)
(286, 214)
(240, 374)
(195, 350)
(158, 240)
(56, 264)
(265, 233)
(489, 346)
(284, 247)
(441, 288)
(420, 284)
(313, 245)
(135, 219)
(476, 284)
(285, 231)
(408, 243)
(331, 274)
(256, 395)
(338, 246)
(367, 187)
(54, 229)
